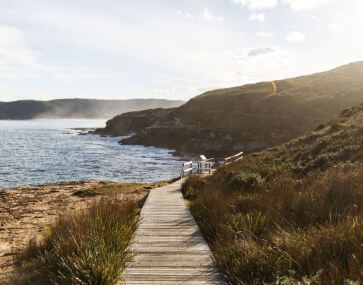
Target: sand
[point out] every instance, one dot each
(27, 212)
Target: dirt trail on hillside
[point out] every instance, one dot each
(274, 86)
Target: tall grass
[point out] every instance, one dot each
(266, 225)
(90, 247)
(290, 214)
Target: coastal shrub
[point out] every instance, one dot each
(335, 127)
(292, 214)
(243, 261)
(290, 279)
(90, 247)
(254, 224)
(319, 127)
(307, 225)
(319, 147)
(243, 180)
(191, 186)
(336, 248)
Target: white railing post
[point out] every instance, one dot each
(204, 165)
(187, 167)
(233, 158)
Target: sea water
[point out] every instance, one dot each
(36, 152)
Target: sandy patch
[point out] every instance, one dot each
(27, 212)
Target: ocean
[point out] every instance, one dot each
(34, 152)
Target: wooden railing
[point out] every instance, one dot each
(205, 166)
(233, 158)
(198, 167)
(187, 168)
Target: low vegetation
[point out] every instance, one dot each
(88, 247)
(290, 214)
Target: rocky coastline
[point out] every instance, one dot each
(249, 117)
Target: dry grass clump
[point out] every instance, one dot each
(312, 227)
(90, 247)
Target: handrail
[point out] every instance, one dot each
(206, 165)
(204, 158)
(187, 169)
(233, 158)
(199, 167)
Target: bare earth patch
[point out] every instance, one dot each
(27, 212)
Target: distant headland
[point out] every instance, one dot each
(78, 108)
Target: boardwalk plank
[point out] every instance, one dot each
(168, 245)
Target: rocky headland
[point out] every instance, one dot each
(78, 108)
(249, 117)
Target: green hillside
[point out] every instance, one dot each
(249, 117)
(289, 212)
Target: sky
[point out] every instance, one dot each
(169, 49)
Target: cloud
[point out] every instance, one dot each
(265, 34)
(185, 14)
(257, 17)
(315, 18)
(295, 36)
(13, 46)
(71, 51)
(305, 4)
(209, 16)
(17, 59)
(334, 27)
(276, 63)
(260, 51)
(256, 4)
(294, 4)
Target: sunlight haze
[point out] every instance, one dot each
(168, 49)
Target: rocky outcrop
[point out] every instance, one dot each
(133, 122)
(248, 118)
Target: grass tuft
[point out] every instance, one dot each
(90, 247)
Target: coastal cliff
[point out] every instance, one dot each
(249, 117)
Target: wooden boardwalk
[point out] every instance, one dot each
(168, 245)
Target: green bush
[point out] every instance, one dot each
(291, 279)
(243, 180)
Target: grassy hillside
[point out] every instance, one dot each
(78, 108)
(248, 117)
(289, 212)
